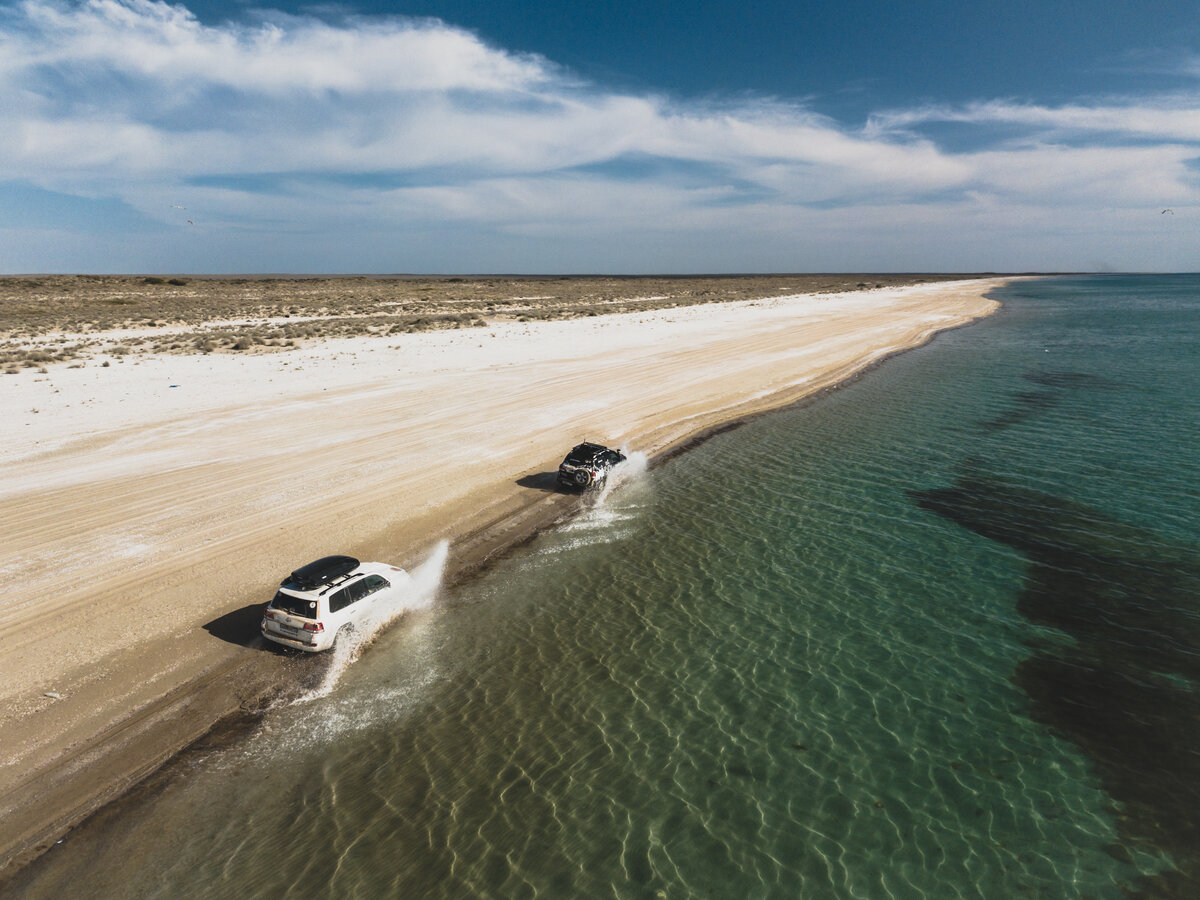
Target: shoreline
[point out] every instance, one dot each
(224, 700)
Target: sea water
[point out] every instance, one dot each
(936, 634)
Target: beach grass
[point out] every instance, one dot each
(70, 318)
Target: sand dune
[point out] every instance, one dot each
(150, 507)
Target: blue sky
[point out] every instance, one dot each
(504, 136)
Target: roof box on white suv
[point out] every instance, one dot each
(323, 571)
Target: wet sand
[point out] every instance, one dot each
(151, 506)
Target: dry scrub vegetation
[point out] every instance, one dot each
(74, 318)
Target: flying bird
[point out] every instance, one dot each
(173, 206)
(1165, 211)
(190, 222)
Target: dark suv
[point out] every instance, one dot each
(588, 465)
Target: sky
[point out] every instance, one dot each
(447, 136)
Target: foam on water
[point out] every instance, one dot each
(416, 591)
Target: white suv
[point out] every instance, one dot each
(326, 599)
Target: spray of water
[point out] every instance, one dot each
(602, 520)
(416, 590)
(634, 467)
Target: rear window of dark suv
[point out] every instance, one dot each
(296, 606)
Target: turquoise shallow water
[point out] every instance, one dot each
(933, 635)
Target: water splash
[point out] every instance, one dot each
(416, 591)
(635, 465)
(603, 521)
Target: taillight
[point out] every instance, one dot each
(314, 627)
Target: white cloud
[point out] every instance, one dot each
(154, 40)
(1168, 118)
(1089, 177)
(259, 127)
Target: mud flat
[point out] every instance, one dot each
(151, 505)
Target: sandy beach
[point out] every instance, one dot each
(151, 505)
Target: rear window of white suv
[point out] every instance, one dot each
(296, 606)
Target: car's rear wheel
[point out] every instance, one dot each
(583, 478)
(342, 637)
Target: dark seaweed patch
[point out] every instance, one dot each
(1029, 403)
(1126, 691)
(1058, 379)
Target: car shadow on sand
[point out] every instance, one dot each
(542, 481)
(238, 627)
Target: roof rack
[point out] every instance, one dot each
(338, 582)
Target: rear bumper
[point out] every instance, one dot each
(286, 641)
